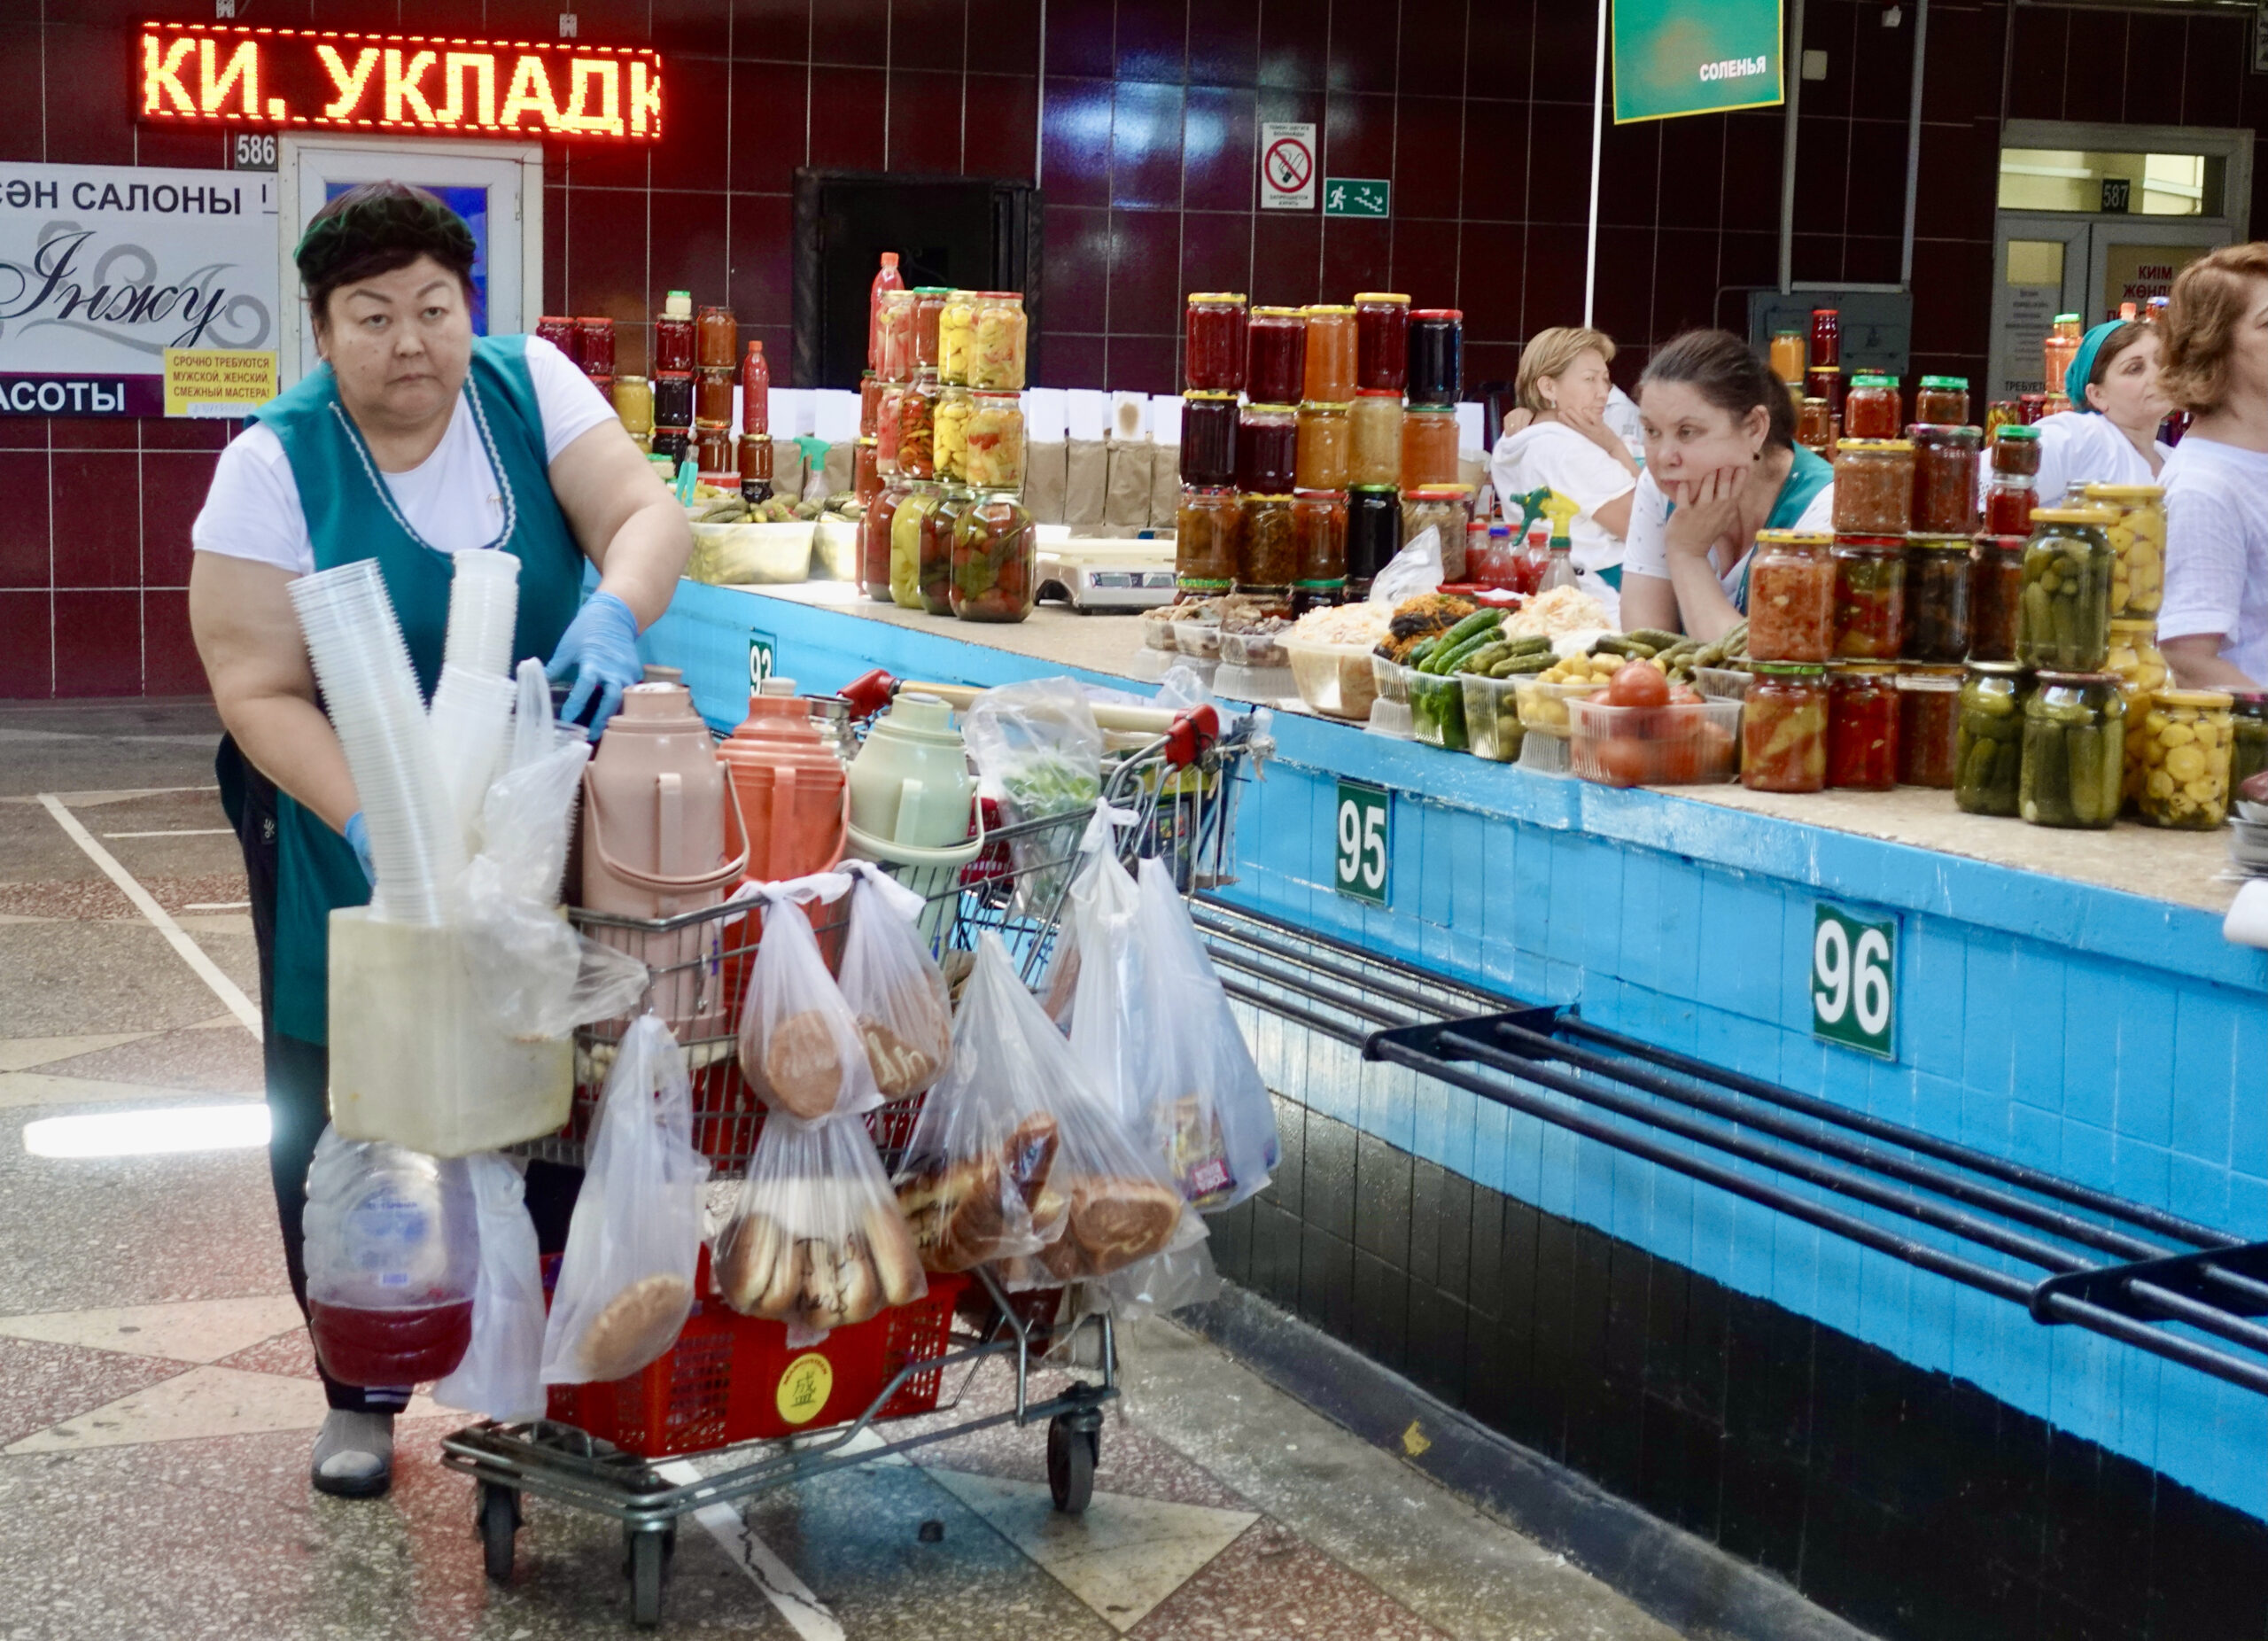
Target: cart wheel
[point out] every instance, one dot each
(498, 1517)
(649, 1561)
(1072, 1452)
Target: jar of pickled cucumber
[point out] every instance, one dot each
(2074, 750)
(1989, 745)
(2137, 535)
(2187, 737)
(2064, 620)
(2141, 670)
(905, 543)
(2248, 751)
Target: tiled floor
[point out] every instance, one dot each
(156, 1392)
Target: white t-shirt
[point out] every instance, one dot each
(1644, 552)
(1547, 453)
(2079, 447)
(2217, 550)
(452, 499)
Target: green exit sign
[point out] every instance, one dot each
(1356, 195)
(1854, 981)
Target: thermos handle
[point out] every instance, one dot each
(909, 797)
(731, 872)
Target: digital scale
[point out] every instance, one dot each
(1109, 576)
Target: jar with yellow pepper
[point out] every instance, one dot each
(2141, 672)
(2137, 533)
(2186, 750)
(956, 325)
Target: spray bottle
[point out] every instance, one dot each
(1561, 570)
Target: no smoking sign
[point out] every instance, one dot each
(1287, 165)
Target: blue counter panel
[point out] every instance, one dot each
(2113, 1039)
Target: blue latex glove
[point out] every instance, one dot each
(358, 839)
(598, 650)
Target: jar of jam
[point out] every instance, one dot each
(1788, 355)
(2064, 620)
(1446, 508)
(893, 350)
(2031, 407)
(633, 404)
(1945, 462)
(874, 540)
(1428, 445)
(995, 560)
(756, 392)
(754, 454)
(563, 333)
(1870, 597)
(673, 444)
(1319, 539)
(1267, 556)
(1381, 342)
(1374, 438)
(1862, 726)
(2188, 736)
(1872, 408)
(1373, 534)
(1331, 355)
(1208, 440)
(1928, 726)
(905, 532)
(1989, 750)
(939, 526)
(2137, 533)
(1874, 486)
(917, 412)
(605, 385)
(2008, 502)
(949, 434)
(865, 478)
(995, 458)
(2249, 725)
(1826, 336)
(1826, 382)
(1276, 354)
(2074, 750)
(1320, 459)
(1815, 428)
(1791, 597)
(714, 456)
(674, 335)
(1436, 372)
(595, 345)
(717, 340)
(2016, 451)
(1995, 597)
(1784, 729)
(999, 346)
(1937, 598)
(889, 419)
(956, 323)
(929, 313)
(673, 398)
(1942, 399)
(1267, 449)
(1205, 539)
(713, 396)
(1212, 343)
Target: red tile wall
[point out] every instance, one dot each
(1145, 137)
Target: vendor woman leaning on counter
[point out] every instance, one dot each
(1721, 464)
(412, 440)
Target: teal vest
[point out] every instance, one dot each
(350, 516)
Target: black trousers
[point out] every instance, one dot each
(298, 1075)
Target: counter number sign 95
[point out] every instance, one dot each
(1363, 829)
(1854, 981)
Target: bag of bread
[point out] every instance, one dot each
(816, 1239)
(500, 1377)
(895, 989)
(626, 1281)
(985, 1144)
(800, 1047)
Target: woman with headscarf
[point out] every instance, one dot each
(1567, 446)
(412, 441)
(2109, 436)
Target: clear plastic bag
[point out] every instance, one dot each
(800, 1047)
(984, 1146)
(816, 1239)
(1039, 752)
(1095, 991)
(502, 1376)
(895, 989)
(393, 1252)
(1202, 1103)
(1158, 1286)
(626, 1282)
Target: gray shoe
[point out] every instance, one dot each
(353, 1455)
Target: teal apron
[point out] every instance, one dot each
(350, 516)
(1808, 475)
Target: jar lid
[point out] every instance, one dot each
(1322, 586)
(864, 441)
(995, 395)
(1918, 675)
(1432, 410)
(1825, 370)
(2250, 700)
(678, 305)
(1375, 297)
(709, 308)
(1862, 669)
(2004, 543)
(666, 429)
(1208, 493)
(2078, 680)
(1946, 433)
(1890, 445)
(1211, 398)
(1454, 314)
(766, 439)
(1950, 543)
(1394, 394)
(1789, 331)
(1328, 308)
(2128, 494)
(933, 290)
(1872, 380)
(639, 379)
(1813, 398)
(1278, 313)
(1439, 493)
(1871, 543)
(672, 376)
(718, 373)
(1316, 495)
(2210, 700)
(2096, 516)
(1794, 538)
(1958, 383)
(1331, 406)
(2017, 430)
(599, 322)
(1215, 297)
(1387, 490)
(1271, 410)
(2067, 319)
(1787, 669)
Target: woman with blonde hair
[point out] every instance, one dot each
(1559, 440)
(2213, 626)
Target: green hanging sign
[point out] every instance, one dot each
(1695, 56)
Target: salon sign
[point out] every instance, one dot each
(116, 279)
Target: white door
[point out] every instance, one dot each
(2039, 270)
(496, 187)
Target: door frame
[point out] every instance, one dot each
(296, 341)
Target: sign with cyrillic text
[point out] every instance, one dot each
(214, 74)
(218, 381)
(105, 268)
(1674, 56)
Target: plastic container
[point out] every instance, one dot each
(1436, 345)
(1208, 440)
(1213, 348)
(393, 1256)
(1784, 729)
(1267, 553)
(1945, 463)
(483, 609)
(1928, 726)
(1686, 744)
(1205, 539)
(1492, 718)
(1862, 723)
(1276, 354)
(1381, 342)
(910, 786)
(1937, 598)
(2063, 622)
(1989, 752)
(1331, 345)
(470, 720)
(1544, 706)
(1437, 711)
(1319, 460)
(2074, 750)
(1874, 486)
(1870, 597)
(1942, 399)
(1374, 439)
(2137, 534)
(1334, 679)
(1791, 597)
(2188, 737)
(1428, 445)
(1267, 449)
(1199, 640)
(1872, 408)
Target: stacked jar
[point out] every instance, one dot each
(675, 350)
(1322, 456)
(995, 551)
(1268, 442)
(1435, 380)
(1374, 436)
(1215, 324)
(716, 358)
(889, 531)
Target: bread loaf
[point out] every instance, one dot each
(903, 1068)
(637, 1326)
(1113, 1222)
(897, 1264)
(803, 1068)
(744, 1259)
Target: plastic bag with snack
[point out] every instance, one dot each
(800, 1045)
(816, 1241)
(895, 989)
(984, 1145)
(626, 1281)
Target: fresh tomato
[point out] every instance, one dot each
(1624, 763)
(1637, 683)
(1684, 695)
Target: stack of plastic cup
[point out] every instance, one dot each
(470, 715)
(371, 694)
(484, 605)
(532, 720)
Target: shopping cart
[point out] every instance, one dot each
(732, 1381)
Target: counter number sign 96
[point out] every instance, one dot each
(1363, 826)
(1854, 981)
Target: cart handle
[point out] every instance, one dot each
(869, 693)
(1141, 721)
(1193, 733)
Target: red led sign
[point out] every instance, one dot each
(194, 72)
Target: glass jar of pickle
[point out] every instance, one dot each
(1381, 342)
(1874, 486)
(1815, 427)
(2249, 749)
(1873, 408)
(2074, 750)
(1944, 399)
(2188, 738)
(1374, 438)
(1791, 597)
(936, 568)
(1319, 538)
(865, 478)
(917, 410)
(1374, 535)
(1267, 449)
(929, 315)
(1268, 557)
(893, 349)
(995, 560)
(999, 343)
(1212, 342)
(1928, 726)
(906, 533)
(1331, 355)
(1445, 509)
(1870, 597)
(1205, 539)
(633, 404)
(1945, 478)
(1208, 440)
(1784, 729)
(2137, 533)
(1862, 726)
(1320, 459)
(949, 433)
(956, 323)
(889, 418)
(1995, 597)
(1428, 445)
(874, 542)
(995, 457)
(2064, 621)
(1937, 598)
(1989, 751)
(2141, 670)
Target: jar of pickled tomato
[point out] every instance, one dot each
(1791, 597)
(928, 313)
(1870, 597)
(1428, 445)
(999, 343)
(1872, 408)
(1928, 726)
(917, 409)
(1946, 460)
(870, 405)
(1331, 355)
(1319, 538)
(865, 478)
(995, 457)
(893, 349)
(1266, 554)
(1275, 356)
(1205, 539)
(1874, 486)
(1373, 534)
(1862, 726)
(955, 324)
(888, 419)
(1381, 342)
(1321, 456)
(1937, 598)
(1942, 399)
(995, 560)
(949, 433)
(1374, 438)
(1208, 440)
(1267, 449)
(1212, 343)
(874, 540)
(938, 525)
(1784, 729)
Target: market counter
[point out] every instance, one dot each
(2062, 999)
